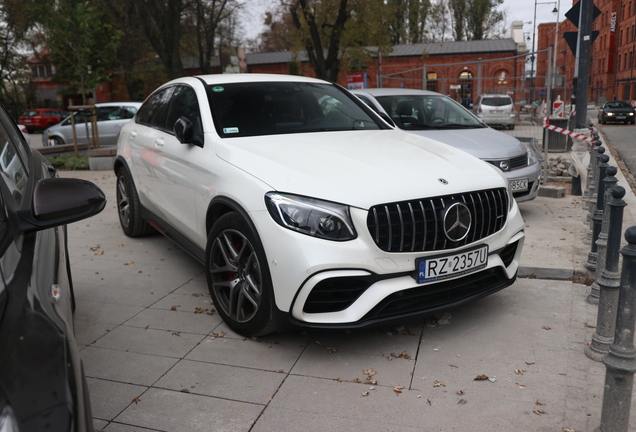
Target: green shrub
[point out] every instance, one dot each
(69, 162)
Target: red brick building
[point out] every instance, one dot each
(612, 66)
(454, 68)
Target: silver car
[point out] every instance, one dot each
(496, 110)
(111, 116)
(436, 116)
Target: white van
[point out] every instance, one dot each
(496, 110)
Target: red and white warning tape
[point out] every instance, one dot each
(547, 125)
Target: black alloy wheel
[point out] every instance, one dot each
(238, 277)
(129, 208)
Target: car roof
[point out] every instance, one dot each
(395, 92)
(494, 95)
(244, 77)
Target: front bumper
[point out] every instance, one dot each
(319, 283)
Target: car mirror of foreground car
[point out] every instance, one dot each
(184, 131)
(60, 201)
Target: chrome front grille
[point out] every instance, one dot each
(418, 226)
(511, 164)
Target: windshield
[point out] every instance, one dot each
(420, 112)
(266, 108)
(618, 104)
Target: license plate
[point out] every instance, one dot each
(621, 117)
(452, 265)
(518, 185)
(27, 120)
(495, 111)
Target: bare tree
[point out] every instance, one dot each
(162, 24)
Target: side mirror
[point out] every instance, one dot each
(60, 201)
(184, 131)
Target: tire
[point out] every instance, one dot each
(238, 277)
(129, 208)
(56, 141)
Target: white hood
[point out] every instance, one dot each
(359, 168)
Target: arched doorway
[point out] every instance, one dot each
(465, 91)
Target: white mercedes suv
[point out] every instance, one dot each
(307, 209)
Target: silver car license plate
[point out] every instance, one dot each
(448, 266)
(518, 185)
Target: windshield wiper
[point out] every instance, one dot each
(458, 126)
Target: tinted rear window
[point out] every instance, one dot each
(496, 101)
(29, 113)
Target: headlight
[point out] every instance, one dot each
(532, 156)
(610, 114)
(631, 113)
(8, 422)
(313, 217)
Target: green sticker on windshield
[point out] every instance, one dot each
(217, 89)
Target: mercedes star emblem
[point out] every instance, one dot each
(457, 222)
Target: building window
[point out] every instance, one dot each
(431, 81)
(42, 71)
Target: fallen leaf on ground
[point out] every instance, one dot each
(129, 262)
(365, 393)
(520, 385)
(529, 363)
(481, 377)
(546, 328)
(460, 392)
(398, 389)
(219, 334)
(568, 429)
(438, 384)
(99, 253)
(519, 371)
(136, 400)
(331, 350)
(538, 411)
(453, 366)
(461, 402)
(538, 403)
(369, 372)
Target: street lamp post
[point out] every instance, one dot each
(534, 33)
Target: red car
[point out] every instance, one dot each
(41, 118)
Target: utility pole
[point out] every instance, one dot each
(584, 50)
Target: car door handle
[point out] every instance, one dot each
(133, 134)
(159, 142)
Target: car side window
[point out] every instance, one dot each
(185, 104)
(155, 110)
(12, 160)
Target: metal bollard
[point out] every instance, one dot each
(601, 243)
(609, 281)
(620, 361)
(597, 218)
(589, 191)
(593, 195)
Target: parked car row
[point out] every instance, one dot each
(309, 206)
